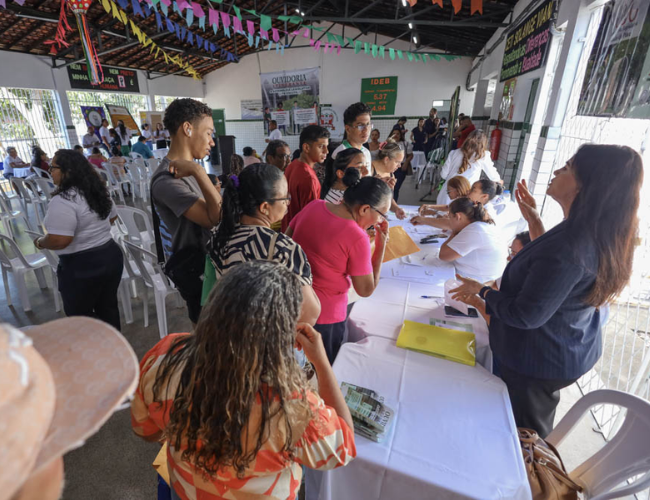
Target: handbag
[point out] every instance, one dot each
(547, 475)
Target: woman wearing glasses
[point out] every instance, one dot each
(252, 202)
(335, 240)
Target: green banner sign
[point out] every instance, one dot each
(380, 94)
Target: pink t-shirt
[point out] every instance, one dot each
(337, 248)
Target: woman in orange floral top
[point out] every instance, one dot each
(232, 403)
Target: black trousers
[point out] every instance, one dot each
(533, 400)
(400, 175)
(88, 282)
(333, 336)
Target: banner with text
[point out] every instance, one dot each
(380, 94)
(93, 115)
(293, 90)
(616, 81)
(527, 46)
(122, 113)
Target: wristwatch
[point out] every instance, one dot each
(484, 292)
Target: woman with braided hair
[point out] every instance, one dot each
(475, 246)
(252, 202)
(469, 161)
(230, 401)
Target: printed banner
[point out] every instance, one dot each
(380, 94)
(332, 120)
(282, 117)
(292, 90)
(616, 81)
(122, 113)
(527, 47)
(93, 115)
(115, 80)
(251, 109)
(305, 116)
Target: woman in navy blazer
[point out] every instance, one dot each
(545, 318)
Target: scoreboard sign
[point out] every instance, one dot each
(380, 94)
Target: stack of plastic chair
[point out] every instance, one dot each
(128, 217)
(28, 196)
(106, 174)
(140, 177)
(19, 265)
(7, 214)
(154, 280)
(53, 260)
(7, 193)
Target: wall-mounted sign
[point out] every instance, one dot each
(380, 94)
(115, 80)
(507, 106)
(251, 109)
(527, 46)
(332, 120)
(118, 113)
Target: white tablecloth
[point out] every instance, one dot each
(454, 434)
(418, 160)
(23, 172)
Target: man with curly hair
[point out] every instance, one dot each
(184, 199)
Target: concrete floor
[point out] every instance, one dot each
(116, 465)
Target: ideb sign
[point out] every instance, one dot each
(115, 80)
(380, 94)
(527, 46)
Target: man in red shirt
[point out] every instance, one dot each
(304, 185)
(466, 128)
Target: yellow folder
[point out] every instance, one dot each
(454, 345)
(399, 244)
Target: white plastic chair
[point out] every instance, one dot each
(107, 174)
(128, 217)
(153, 163)
(53, 260)
(19, 265)
(43, 174)
(160, 153)
(135, 155)
(140, 177)
(44, 186)
(625, 456)
(154, 279)
(7, 215)
(27, 196)
(7, 192)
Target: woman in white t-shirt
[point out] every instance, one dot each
(475, 246)
(397, 136)
(124, 134)
(78, 223)
(160, 135)
(468, 161)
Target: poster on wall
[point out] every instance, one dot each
(115, 80)
(305, 116)
(287, 91)
(380, 94)
(527, 46)
(332, 119)
(251, 109)
(122, 113)
(93, 115)
(507, 106)
(617, 79)
(153, 118)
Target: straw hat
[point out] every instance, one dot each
(59, 382)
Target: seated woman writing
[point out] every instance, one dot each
(482, 192)
(230, 401)
(252, 202)
(520, 241)
(457, 187)
(475, 245)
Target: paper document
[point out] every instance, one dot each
(399, 244)
(451, 284)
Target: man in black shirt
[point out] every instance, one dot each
(431, 130)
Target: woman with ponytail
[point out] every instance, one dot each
(469, 161)
(333, 187)
(335, 240)
(252, 202)
(475, 246)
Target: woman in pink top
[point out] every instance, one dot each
(97, 158)
(335, 240)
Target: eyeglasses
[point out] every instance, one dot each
(287, 199)
(52, 167)
(283, 157)
(380, 213)
(363, 126)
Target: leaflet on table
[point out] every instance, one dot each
(454, 345)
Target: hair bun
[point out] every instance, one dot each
(351, 177)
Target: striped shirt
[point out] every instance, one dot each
(324, 442)
(335, 196)
(250, 242)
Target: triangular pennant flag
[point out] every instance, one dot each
(183, 33)
(381, 51)
(275, 34)
(250, 26)
(410, 56)
(350, 41)
(226, 31)
(339, 39)
(205, 45)
(213, 47)
(250, 40)
(257, 41)
(116, 12)
(327, 48)
(237, 12)
(437, 2)
(477, 6)
(458, 4)
(270, 45)
(147, 10)
(283, 18)
(236, 25)
(400, 54)
(357, 46)
(213, 19)
(123, 3)
(147, 41)
(178, 31)
(225, 20)
(366, 47)
(175, 7)
(182, 4)
(198, 11)
(265, 22)
(281, 49)
(305, 33)
(170, 25)
(166, 2)
(375, 50)
(105, 3)
(338, 50)
(190, 37)
(189, 17)
(264, 35)
(330, 37)
(202, 22)
(3, 4)
(318, 44)
(391, 53)
(164, 8)
(159, 21)
(154, 3)
(277, 47)
(123, 17)
(199, 41)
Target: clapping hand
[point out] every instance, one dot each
(526, 202)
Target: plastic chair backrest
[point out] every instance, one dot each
(50, 256)
(135, 155)
(3, 193)
(105, 174)
(42, 173)
(140, 256)
(5, 209)
(625, 456)
(21, 188)
(153, 163)
(44, 186)
(128, 217)
(16, 250)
